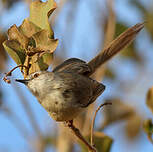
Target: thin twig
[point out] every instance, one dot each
(10, 72)
(27, 61)
(93, 121)
(76, 131)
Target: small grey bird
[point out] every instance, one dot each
(68, 89)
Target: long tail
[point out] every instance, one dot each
(115, 46)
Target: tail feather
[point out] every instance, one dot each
(117, 45)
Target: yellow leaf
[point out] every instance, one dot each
(14, 49)
(40, 12)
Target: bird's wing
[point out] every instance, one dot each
(83, 90)
(73, 65)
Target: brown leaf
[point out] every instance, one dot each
(31, 43)
(133, 126)
(117, 112)
(149, 25)
(3, 56)
(39, 63)
(28, 28)
(149, 100)
(15, 34)
(44, 43)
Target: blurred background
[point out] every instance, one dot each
(83, 29)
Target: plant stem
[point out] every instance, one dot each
(77, 133)
(93, 121)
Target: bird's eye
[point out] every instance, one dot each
(36, 75)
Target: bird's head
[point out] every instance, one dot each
(36, 81)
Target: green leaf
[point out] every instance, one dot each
(120, 28)
(148, 129)
(102, 142)
(40, 12)
(149, 100)
(14, 49)
(148, 126)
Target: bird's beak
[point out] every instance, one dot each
(24, 81)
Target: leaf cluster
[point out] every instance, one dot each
(32, 43)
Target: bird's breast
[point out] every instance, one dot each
(60, 105)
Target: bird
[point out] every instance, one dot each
(69, 88)
(66, 91)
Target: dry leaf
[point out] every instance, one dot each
(3, 56)
(44, 43)
(149, 100)
(118, 111)
(30, 44)
(28, 28)
(15, 34)
(133, 126)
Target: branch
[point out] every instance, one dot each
(10, 72)
(77, 133)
